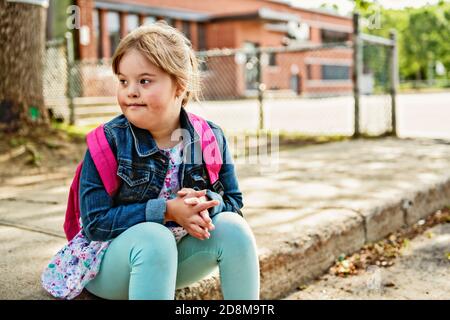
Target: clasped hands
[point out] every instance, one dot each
(190, 210)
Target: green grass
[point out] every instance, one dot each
(289, 136)
(286, 138)
(73, 131)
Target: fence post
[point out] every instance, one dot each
(70, 63)
(260, 90)
(394, 80)
(357, 69)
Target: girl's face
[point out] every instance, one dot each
(146, 94)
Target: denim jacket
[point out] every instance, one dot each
(142, 168)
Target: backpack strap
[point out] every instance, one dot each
(106, 162)
(104, 159)
(71, 221)
(212, 155)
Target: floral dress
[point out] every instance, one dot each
(172, 185)
(78, 262)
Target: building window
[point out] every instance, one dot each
(113, 20)
(97, 34)
(201, 36)
(132, 22)
(272, 59)
(149, 20)
(309, 72)
(203, 64)
(328, 36)
(331, 72)
(186, 27)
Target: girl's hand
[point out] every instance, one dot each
(194, 197)
(204, 214)
(189, 193)
(187, 216)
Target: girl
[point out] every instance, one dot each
(162, 236)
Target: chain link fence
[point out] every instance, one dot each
(81, 92)
(375, 89)
(56, 80)
(306, 89)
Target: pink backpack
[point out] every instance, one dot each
(106, 165)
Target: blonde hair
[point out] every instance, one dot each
(168, 49)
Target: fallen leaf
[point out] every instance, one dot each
(405, 243)
(392, 238)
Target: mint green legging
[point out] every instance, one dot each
(145, 262)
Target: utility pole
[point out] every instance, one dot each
(394, 80)
(357, 70)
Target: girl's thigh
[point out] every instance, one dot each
(196, 260)
(143, 253)
(113, 279)
(227, 246)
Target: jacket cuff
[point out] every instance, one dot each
(215, 196)
(155, 210)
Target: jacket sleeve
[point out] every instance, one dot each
(231, 200)
(102, 220)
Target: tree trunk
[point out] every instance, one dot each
(22, 38)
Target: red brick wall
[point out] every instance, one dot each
(222, 35)
(230, 34)
(211, 6)
(225, 30)
(236, 6)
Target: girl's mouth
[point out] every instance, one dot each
(136, 105)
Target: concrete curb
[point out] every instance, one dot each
(333, 207)
(297, 257)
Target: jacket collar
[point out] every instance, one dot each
(144, 143)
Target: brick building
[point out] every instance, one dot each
(211, 24)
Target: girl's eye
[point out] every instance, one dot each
(122, 81)
(145, 81)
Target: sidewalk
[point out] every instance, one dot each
(323, 201)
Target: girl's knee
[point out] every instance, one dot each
(230, 225)
(230, 219)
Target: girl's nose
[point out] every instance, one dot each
(133, 91)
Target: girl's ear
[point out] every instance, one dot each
(179, 91)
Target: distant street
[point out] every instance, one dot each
(418, 115)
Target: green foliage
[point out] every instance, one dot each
(362, 5)
(330, 7)
(75, 132)
(423, 35)
(60, 16)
